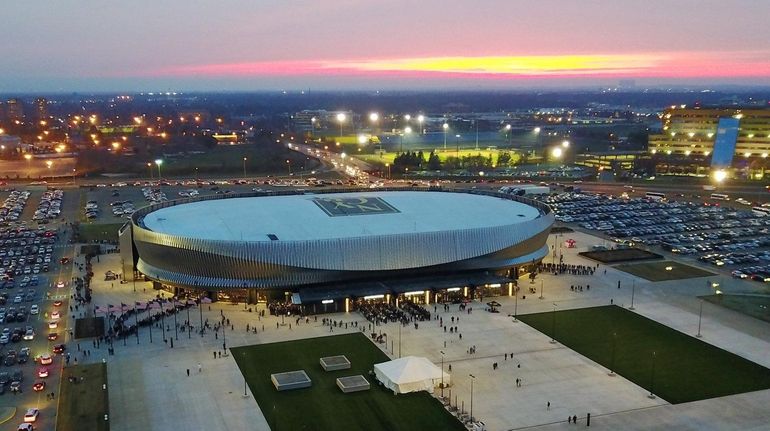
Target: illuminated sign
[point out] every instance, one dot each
(342, 206)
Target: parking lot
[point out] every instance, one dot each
(34, 284)
(737, 239)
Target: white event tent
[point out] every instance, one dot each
(409, 374)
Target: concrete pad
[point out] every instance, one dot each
(353, 384)
(334, 363)
(291, 380)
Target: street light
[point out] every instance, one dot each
(341, 117)
(445, 126)
(407, 130)
(159, 162)
(442, 373)
(720, 176)
(472, 379)
(312, 126)
(387, 165)
(49, 163)
(244, 167)
(565, 143)
(288, 164)
(556, 153)
(374, 117)
(420, 120)
(508, 132)
(553, 325)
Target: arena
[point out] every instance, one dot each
(323, 249)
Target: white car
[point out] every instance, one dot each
(53, 325)
(31, 415)
(34, 309)
(60, 284)
(25, 427)
(4, 339)
(55, 315)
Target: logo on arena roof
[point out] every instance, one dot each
(338, 206)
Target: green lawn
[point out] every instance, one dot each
(755, 306)
(657, 271)
(323, 406)
(388, 157)
(686, 369)
(82, 405)
(98, 232)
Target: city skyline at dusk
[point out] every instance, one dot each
(350, 44)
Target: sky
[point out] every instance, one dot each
(231, 45)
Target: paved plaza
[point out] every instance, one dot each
(150, 389)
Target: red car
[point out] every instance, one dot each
(38, 386)
(53, 336)
(59, 348)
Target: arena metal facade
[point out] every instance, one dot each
(214, 264)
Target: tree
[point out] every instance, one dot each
(504, 159)
(434, 162)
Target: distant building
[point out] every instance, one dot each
(41, 108)
(14, 110)
(694, 131)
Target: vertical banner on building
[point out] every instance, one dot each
(725, 142)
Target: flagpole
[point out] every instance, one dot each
(136, 319)
(176, 326)
(152, 321)
(200, 310)
(163, 320)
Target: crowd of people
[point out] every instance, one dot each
(564, 268)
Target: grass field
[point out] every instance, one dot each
(228, 160)
(98, 232)
(323, 406)
(620, 255)
(657, 271)
(686, 369)
(88, 327)
(82, 405)
(388, 157)
(755, 306)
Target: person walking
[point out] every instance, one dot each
(188, 372)
(200, 370)
(548, 406)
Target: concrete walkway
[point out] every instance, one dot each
(150, 389)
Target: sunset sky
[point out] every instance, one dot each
(144, 45)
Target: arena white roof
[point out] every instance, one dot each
(301, 218)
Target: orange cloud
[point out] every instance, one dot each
(706, 64)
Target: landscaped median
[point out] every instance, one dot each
(672, 365)
(83, 400)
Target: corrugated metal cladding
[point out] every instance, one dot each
(236, 264)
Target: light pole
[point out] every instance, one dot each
(341, 119)
(442, 373)
(515, 305)
(445, 126)
(49, 163)
(508, 132)
(541, 289)
(407, 130)
(312, 126)
(420, 120)
(159, 162)
(652, 379)
(244, 168)
(612, 360)
(553, 325)
(633, 289)
(387, 165)
(149, 168)
(700, 318)
(288, 164)
(472, 379)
